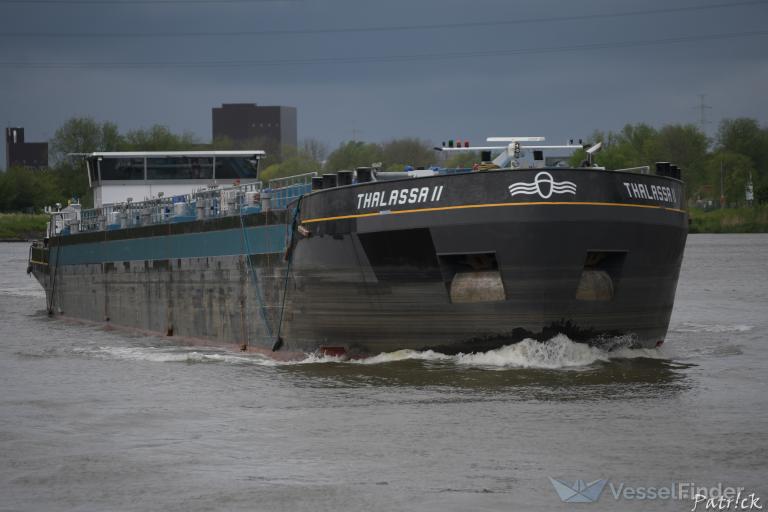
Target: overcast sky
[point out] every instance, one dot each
(472, 69)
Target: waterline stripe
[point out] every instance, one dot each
(488, 205)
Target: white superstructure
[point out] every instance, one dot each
(117, 177)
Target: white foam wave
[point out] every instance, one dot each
(188, 355)
(403, 355)
(180, 355)
(558, 352)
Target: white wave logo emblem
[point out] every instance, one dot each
(544, 185)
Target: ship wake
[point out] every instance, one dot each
(557, 353)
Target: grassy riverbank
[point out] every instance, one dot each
(730, 220)
(22, 226)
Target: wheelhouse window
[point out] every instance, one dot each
(180, 168)
(235, 168)
(121, 169)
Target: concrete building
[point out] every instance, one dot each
(247, 123)
(24, 154)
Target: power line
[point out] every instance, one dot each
(132, 2)
(390, 28)
(377, 59)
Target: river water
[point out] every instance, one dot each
(95, 420)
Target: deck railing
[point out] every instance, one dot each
(202, 204)
(286, 190)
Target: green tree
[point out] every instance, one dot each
(158, 138)
(683, 145)
(23, 189)
(352, 154)
(744, 136)
(295, 162)
(736, 170)
(761, 194)
(83, 135)
(461, 160)
(71, 181)
(407, 151)
(617, 152)
(639, 138)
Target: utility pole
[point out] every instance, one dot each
(722, 186)
(702, 108)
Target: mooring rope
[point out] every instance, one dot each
(289, 256)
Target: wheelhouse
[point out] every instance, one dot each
(117, 177)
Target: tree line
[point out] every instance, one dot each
(712, 168)
(736, 157)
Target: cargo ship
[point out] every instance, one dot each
(361, 262)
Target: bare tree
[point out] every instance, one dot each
(315, 149)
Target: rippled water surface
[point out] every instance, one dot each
(104, 420)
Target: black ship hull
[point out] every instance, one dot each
(598, 268)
